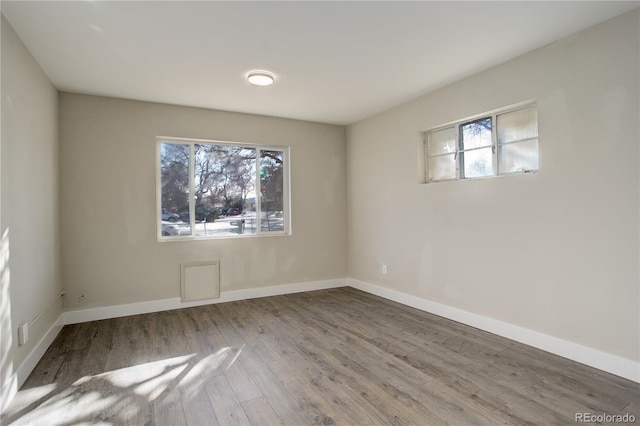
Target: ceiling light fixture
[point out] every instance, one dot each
(261, 78)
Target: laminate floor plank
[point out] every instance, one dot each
(455, 407)
(176, 339)
(203, 320)
(631, 409)
(155, 332)
(240, 381)
(260, 413)
(168, 410)
(384, 367)
(45, 371)
(557, 396)
(314, 406)
(296, 365)
(197, 406)
(358, 408)
(229, 332)
(140, 347)
(395, 386)
(224, 402)
(261, 310)
(608, 398)
(240, 318)
(96, 358)
(397, 345)
(83, 333)
(531, 363)
(340, 323)
(317, 334)
(474, 393)
(286, 405)
(279, 342)
(119, 356)
(338, 356)
(70, 370)
(596, 379)
(396, 405)
(307, 340)
(522, 412)
(186, 319)
(352, 381)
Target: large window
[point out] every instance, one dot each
(221, 189)
(494, 144)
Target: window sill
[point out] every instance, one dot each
(222, 237)
(502, 175)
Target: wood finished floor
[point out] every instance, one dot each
(338, 356)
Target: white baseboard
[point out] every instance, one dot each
(36, 354)
(18, 378)
(585, 355)
(78, 316)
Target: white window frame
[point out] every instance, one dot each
(495, 146)
(286, 183)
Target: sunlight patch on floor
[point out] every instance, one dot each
(118, 396)
(26, 397)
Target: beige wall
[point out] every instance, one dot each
(555, 252)
(29, 251)
(108, 202)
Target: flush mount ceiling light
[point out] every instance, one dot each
(261, 78)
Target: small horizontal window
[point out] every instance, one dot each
(221, 189)
(496, 144)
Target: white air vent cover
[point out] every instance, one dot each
(200, 280)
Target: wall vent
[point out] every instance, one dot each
(200, 280)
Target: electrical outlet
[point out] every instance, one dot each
(383, 269)
(23, 333)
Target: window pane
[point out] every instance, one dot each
(519, 156)
(477, 163)
(476, 134)
(224, 181)
(174, 182)
(272, 191)
(443, 167)
(442, 141)
(518, 125)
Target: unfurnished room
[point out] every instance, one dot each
(320, 212)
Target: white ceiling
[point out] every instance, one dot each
(335, 62)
